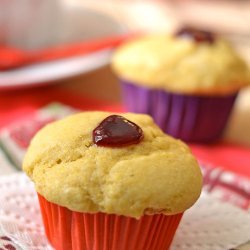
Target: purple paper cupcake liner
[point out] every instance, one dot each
(187, 117)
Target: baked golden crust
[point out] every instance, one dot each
(158, 174)
(180, 65)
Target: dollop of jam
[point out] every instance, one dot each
(199, 36)
(117, 131)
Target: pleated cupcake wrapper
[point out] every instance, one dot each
(68, 230)
(187, 117)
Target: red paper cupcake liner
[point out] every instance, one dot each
(68, 230)
(187, 117)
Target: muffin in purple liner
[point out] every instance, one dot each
(190, 118)
(187, 82)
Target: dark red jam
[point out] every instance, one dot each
(117, 131)
(199, 36)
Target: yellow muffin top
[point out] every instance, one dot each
(181, 65)
(157, 175)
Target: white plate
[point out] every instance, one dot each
(49, 72)
(66, 26)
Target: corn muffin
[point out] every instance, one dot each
(109, 171)
(187, 81)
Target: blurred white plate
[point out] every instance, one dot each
(72, 25)
(45, 73)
